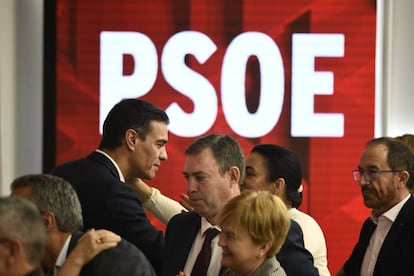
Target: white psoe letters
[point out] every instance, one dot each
(306, 82)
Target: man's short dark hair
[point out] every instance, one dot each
(129, 114)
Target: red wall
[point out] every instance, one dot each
(330, 195)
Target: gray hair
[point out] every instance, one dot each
(20, 220)
(56, 195)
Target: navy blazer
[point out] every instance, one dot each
(123, 259)
(397, 252)
(183, 228)
(108, 203)
(293, 256)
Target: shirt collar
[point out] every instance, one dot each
(62, 255)
(206, 225)
(121, 176)
(392, 213)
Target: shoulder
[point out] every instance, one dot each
(94, 166)
(184, 225)
(302, 217)
(129, 259)
(270, 267)
(408, 208)
(307, 223)
(185, 217)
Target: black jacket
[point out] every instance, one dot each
(397, 252)
(108, 203)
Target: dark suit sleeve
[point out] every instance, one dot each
(293, 256)
(128, 219)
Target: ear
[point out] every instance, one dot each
(50, 222)
(279, 187)
(234, 173)
(403, 178)
(131, 137)
(265, 248)
(14, 249)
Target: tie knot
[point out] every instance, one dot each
(210, 233)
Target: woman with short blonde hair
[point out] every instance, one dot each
(254, 227)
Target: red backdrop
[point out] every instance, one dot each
(330, 195)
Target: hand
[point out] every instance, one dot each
(185, 202)
(92, 243)
(182, 274)
(88, 246)
(142, 189)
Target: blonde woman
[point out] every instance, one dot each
(254, 227)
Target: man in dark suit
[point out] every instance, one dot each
(214, 170)
(101, 252)
(386, 242)
(133, 145)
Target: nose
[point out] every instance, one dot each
(191, 185)
(163, 154)
(363, 180)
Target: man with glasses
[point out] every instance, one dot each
(386, 241)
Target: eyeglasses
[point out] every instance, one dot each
(369, 174)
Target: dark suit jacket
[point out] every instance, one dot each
(183, 228)
(293, 256)
(396, 255)
(108, 203)
(123, 259)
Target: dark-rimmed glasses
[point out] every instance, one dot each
(370, 174)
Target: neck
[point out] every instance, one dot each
(54, 245)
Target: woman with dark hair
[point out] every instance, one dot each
(278, 170)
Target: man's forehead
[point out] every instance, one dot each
(375, 153)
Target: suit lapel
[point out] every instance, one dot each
(189, 236)
(103, 160)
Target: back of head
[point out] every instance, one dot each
(283, 163)
(407, 139)
(399, 157)
(264, 216)
(21, 220)
(129, 114)
(226, 151)
(53, 194)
